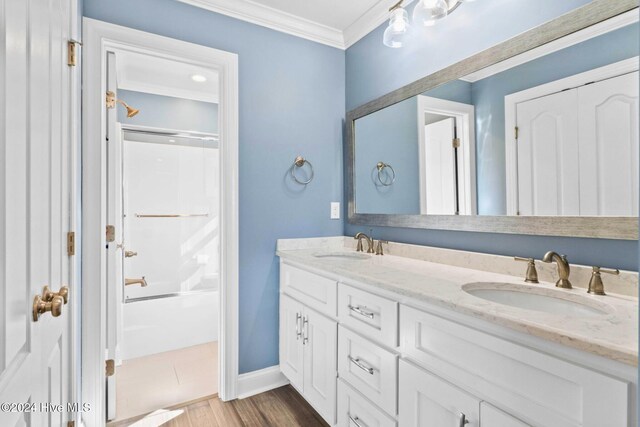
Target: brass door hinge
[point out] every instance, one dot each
(110, 367)
(517, 132)
(456, 143)
(72, 55)
(111, 233)
(71, 243)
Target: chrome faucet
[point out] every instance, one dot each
(563, 268)
(369, 240)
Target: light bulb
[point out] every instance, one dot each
(427, 12)
(198, 78)
(397, 30)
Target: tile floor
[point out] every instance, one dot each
(149, 383)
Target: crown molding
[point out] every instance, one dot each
(368, 22)
(599, 29)
(274, 19)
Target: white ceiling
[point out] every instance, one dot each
(337, 23)
(161, 76)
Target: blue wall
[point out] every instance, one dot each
(291, 102)
(391, 136)
(168, 112)
(374, 70)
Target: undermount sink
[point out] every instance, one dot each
(342, 255)
(538, 299)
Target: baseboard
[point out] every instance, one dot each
(260, 381)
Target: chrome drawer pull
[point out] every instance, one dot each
(361, 365)
(361, 312)
(305, 327)
(357, 421)
(298, 328)
(463, 420)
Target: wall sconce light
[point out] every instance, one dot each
(398, 28)
(426, 13)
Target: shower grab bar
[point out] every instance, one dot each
(171, 216)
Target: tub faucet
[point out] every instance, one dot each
(563, 268)
(369, 240)
(142, 282)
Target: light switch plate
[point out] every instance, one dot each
(335, 210)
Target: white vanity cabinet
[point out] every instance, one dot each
(308, 346)
(363, 359)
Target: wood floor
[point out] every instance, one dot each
(282, 407)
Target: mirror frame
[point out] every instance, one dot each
(623, 228)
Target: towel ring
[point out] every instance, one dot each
(298, 163)
(381, 167)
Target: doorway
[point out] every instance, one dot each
(162, 186)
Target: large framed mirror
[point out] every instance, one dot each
(538, 135)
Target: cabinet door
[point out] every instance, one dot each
(429, 401)
(491, 416)
(320, 363)
(291, 349)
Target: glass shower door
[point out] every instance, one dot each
(171, 216)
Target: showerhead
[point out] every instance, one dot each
(130, 110)
(111, 103)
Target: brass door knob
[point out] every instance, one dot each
(40, 307)
(129, 254)
(48, 294)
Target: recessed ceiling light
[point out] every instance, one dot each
(172, 140)
(198, 78)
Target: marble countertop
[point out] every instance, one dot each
(613, 335)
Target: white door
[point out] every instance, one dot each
(440, 168)
(608, 134)
(36, 208)
(548, 168)
(320, 367)
(291, 348)
(426, 400)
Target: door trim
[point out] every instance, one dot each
(511, 102)
(465, 116)
(98, 38)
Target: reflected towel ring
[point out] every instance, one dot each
(298, 163)
(381, 167)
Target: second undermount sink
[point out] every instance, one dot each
(538, 299)
(342, 255)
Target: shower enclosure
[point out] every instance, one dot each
(170, 257)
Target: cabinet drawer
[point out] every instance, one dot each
(312, 290)
(369, 314)
(493, 417)
(354, 410)
(533, 386)
(427, 400)
(369, 368)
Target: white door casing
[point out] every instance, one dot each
(100, 38)
(114, 249)
(37, 160)
(464, 116)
